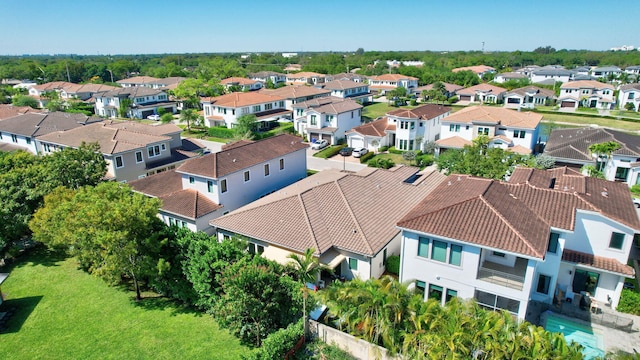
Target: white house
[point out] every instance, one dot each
(242, 84)
(347, 218)
(144, 101)
(347, 76)
(586, 93)
(528, 97)
(66, 91)
(224, 110)
(507, 243)
(23, 130)
(387, 82)
(373, 135)
(629, 94)
(632, 70)
(306, 78)
(326, 118)
(508, 129)
(206, 187)
(606, 71)
(504, 77)
(415, 127)
(294, 94)
(481, 93)
(551, 73)
(349, 89)
(265, 76)
(132, 150)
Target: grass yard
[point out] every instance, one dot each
(375, 110)
(64, 313)
(396, 158)
(583, 120)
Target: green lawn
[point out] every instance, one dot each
(376, 110)
(64, 313)
(396, 158)
(584, 120)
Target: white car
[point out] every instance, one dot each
(636, 202)
(319, 144)
(357, 152)
(154, 117)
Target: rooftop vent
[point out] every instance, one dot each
(552, 183)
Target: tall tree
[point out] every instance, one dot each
(604, 149)
(246, 126)
(190, 116)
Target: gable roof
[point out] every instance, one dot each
(423, 112)
(35, 124)
(478, 69)
(629, 87)
(240, 99)
(138, 80)
(8, 110)
(342, 85)
(295, 91)
(573, 143)
(495, 115)
(337, 107)
(304, 74)
(482, 88)
(524, 91)
(332, 209)
(586, 84)
(219, 164)
(130, 92)
(392, 77)
(376, 128)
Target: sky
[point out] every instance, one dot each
(209, 26)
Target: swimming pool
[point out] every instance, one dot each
(591, 339)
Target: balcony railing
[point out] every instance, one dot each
(511, 277)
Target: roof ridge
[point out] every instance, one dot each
(307, 220)
(352, 215)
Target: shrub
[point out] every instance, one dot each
(161, 111)
(393, 150)
(364, 158)
(453, 99)
(166, 117)
(635, 190)
(221, 132)
(383, 148)
(393, 264)
(278, 344)
(329, 151)
(629, 302)
(382, 163)
(413, 102)
(425, 160)
(285, 128)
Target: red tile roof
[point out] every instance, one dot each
(423, 112)
(376, 128)
(597, 262)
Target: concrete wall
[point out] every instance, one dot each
(358, 348)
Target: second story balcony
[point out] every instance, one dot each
(504, 275)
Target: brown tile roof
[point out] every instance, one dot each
(375, 128)
(495, 115)
(597, 262)
(147, 129)
(352, 212)
(519, 149)
(573, 143)
(130, 92)
(295, 91)
(7, 110)
(476, 69)
(138, 80)
(219, 164)
(237, 80)
(240, 99)
(447, 86)
(337, 107)
(235, 144)
(304, 74)
(590, 84)
(628, 87)
(540, 92)
(481, 88)
(158, 185)
(423, 112)
(453, 142)
(35, 124)
(54, 85)
(392, 77)
(342, 85)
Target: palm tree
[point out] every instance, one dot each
(189, 116)
(306, 268)
(603, 149)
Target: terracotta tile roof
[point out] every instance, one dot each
(573, 143)
(295, 91)
(342, 85)
(138, 127)
(481, 88)
(337, 107)
(519, 149)
(219, 164)
(7, 110)
(539, 92)
(453, 142)
(138, 80)
(503, 139)
(35, 124)
(54, 85)
(237, 80)
(240, 99)
(158, 185)
(130, 92)
(353, 212)
(495, 115)
(447, 86)
(376, 128)
(589, 84)
(478, 69)
(304, 74)
(392, 77)
(423, 112)
(319, 101)
(597, 262)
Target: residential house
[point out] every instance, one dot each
(305, 78)
(211, 185)
(606, 71)
(348, 219)
(294, 94)
(9, 111)
(582, 70)
(132, 150)
(347, 76)
(241, 84)
(137, 81)
(550, 75)
(327, 118)
(450, 89)
(293, 67)
(482, 93)
(224, 110)
(373, 135)
(388, 82)
(23, 130)
(67, 91)
(265, 76)
(415, 127)
(479, 70)
(629, 94)
(507, 76)
(165, 84)
(632, 70)
(545, 234)
(507, 129)
(142, 102)
(528, 97)
(586, 93)
(527, 70)
(349, 89)
(570, 147)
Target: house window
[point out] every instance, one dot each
(519, 134)
(622, 173)
(247, 176)
(553, 243)
(543, 284)
(353, 264)
(384, 256)
(498, 254)
(435, 292)
(281, 104)
(281, 164)
(617, 240)
(268, 106)
(171, 222)
(28, 140)
(423, 247)
(266, 169)
(313, 120)
(439, 251)
(153, 151)
(245, 110)
(256, 108)
(455, 255)
(210, 186)
(223, 185)
(483, 131)
(329, 118)
(14, 138)
(255, 249)
(47, 147)
(192, 180)
(450, 295)
(421, 288)
(119, 162)
(163, 147)
(138, 157)
(632, 96)
(454, 127)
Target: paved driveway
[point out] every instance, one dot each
(348, 163)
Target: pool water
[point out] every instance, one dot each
(591, 340)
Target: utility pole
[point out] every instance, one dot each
(483, 46)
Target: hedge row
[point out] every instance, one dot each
(278, 344)
(285, 128)
(221, 132)
(393, 264)
(329, 151)
(364, 158)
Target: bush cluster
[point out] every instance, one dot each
(393, 150)
(382, 163)
(629, 302)
(221, 132)
(365, 158)
(383, 148)
(393, 264)
(329, 151)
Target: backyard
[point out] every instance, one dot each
(62, 312)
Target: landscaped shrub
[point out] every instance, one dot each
(282, 129)
(635, 190)
(393, 264)
(393, 150)
(278, 344)
(329, 151)
(382, 163)
(221, 132)
(364, 158)
(452, 100)
(629, 302)
(425, 160)
(383, 148)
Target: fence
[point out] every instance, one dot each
(358, 348)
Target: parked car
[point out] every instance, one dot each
(357, 152)
(154, 117)
(319, 144)
(346, 151)
(636, 202)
